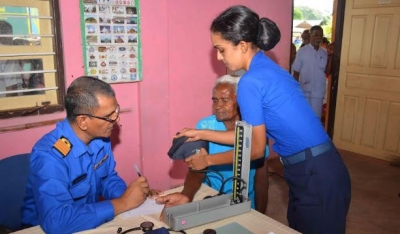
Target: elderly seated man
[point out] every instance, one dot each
(226, 113)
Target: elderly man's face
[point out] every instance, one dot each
(316, 37)
(224, 103)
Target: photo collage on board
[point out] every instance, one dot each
(111, 34)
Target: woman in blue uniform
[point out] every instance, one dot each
(274, 104)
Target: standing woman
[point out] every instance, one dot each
(274, 104)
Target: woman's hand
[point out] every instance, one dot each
(192, 134)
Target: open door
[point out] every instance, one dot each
(367, 119)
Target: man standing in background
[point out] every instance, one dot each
(309, 69)
(305, 37)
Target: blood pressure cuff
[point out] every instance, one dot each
(182, 150)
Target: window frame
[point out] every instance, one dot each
(60, 76)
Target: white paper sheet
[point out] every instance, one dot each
(148, 207)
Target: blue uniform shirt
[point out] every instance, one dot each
(268, 94)
(63, 190)
(226, 171)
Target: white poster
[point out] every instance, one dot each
(111, 40)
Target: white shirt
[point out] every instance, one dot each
(311, 63)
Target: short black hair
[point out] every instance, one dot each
(82, 94)
(316, 27)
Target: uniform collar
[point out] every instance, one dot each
(256, 57)
(78, 147)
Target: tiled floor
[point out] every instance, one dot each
(375, 204)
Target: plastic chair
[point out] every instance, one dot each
(13, 177)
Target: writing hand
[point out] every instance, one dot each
(136, 192)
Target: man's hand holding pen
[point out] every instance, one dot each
(151, 193)
(134, 195)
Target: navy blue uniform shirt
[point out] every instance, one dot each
(65, 182)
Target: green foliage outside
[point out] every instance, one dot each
(327, 27)
(297, 14)
(307, 13)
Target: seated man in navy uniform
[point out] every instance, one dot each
(73, 165)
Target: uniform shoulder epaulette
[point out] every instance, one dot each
(63, 146)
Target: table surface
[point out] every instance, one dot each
(253, 221)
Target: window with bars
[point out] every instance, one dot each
(31, 71)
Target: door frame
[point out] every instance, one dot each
(340, 10)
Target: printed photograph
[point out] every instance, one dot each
(119, 29)
(104, 9)
(90, 29)
(131, 29)
(132, 38)
(89, 8)
(105, 29)
(119, 39)
(118, 20)
(91, 39)
(132, 20)
(118, 10)
(105, 19)
(131, 10)
(105, 39)
(91, 19)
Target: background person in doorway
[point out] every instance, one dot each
(309, 69)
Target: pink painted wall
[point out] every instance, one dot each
(179, 68)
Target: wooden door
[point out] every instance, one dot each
(367, 119)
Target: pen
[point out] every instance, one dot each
(140, 174)
(137, 170)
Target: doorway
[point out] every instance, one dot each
(364, 106)
(324, 13)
